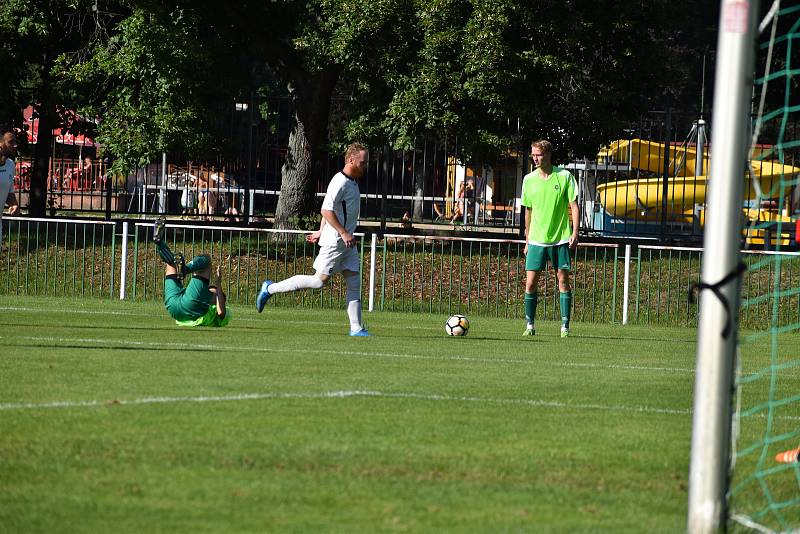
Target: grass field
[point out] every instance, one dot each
(113, 418)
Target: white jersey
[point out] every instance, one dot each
(6, 182)
(6, 186)
(343, 198)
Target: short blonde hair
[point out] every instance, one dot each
(353, 150)
(543, 145)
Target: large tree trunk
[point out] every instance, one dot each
(305, 161)
(42, 153)
(297, 187)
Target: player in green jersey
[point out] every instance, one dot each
(550, 195)
(199, 303)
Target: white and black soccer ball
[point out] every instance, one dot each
(457, 325)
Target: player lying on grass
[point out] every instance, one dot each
(199, 303)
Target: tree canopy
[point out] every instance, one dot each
(494, 72)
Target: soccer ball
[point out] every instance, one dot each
(456, 325)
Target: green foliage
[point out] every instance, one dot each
(33, 33)
(155, 73)
(306, 222)
(471, 68)
(152, 98)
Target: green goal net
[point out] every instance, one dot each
(764, 493)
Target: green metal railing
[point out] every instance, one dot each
(435, 275)
(486, 277)
(58, 258)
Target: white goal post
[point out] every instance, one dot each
(716, 353)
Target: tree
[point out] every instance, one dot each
(570, 70)
(33, 35)
(573, 71)
(161, 67)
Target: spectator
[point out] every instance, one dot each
(232, 214)
(8, 149)
(458, 208)
(207, 197)
(405, 221)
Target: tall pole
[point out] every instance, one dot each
(711, 422)
(666, 174)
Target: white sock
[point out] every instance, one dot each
(353, 297)
(354, 313)
(299, 281)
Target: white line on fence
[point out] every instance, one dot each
(56, 220)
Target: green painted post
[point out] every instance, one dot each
(413, 273)
(94, 259)
(614, 287)
(113, 261)
(27, 252)
(638, 280)
(383, 275)
(135, 262)
(74, 256)
(433, 263)
(669, 287)
(83, 277)
(36, 261)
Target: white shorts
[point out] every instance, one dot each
(332, 260)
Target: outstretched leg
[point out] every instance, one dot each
(159, 232)
(296, 282)
(180, 267)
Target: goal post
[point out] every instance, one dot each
(719, 296)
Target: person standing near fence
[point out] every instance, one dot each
(550, 195)
(338, 252)
(8, 149)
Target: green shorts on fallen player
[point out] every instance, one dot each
(192, 305)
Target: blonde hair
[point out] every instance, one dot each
(543, 145)
(353, 150)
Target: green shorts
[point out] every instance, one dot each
(536, 259)
(187, 303)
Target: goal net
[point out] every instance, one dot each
(763, 492)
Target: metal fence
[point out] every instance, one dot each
(649, 183)
(647, 284)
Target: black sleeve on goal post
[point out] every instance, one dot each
(695, 289)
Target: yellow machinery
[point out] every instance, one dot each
(641, 198)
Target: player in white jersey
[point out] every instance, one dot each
(338, 252)
(8, 149)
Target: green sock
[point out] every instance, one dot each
(198, 263)
(165, 253)
(531, 299)
(565, 302)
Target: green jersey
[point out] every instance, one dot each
(548, 202)
(209, 319)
